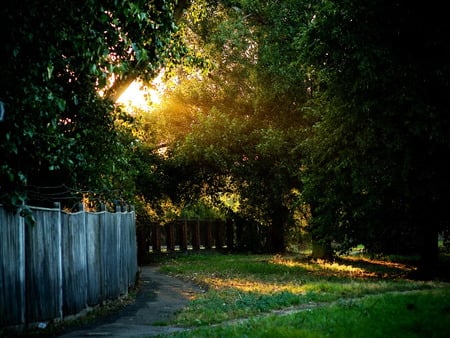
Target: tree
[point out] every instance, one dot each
(58, 60)
(240, 123)
(377, 168)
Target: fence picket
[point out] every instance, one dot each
(12, 268)
(197, 234)
(63, 263)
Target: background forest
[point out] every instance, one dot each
(300, 119)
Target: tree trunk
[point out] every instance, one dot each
(321, 249)
(427, 221)
(428, 267)
(276, 242)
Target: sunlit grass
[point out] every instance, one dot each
(423, 313)
(348, 266)
(321, 266)
(241, 286)
(247, 285)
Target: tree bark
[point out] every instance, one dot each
(428, 267)
(276, 242)
(321, 250)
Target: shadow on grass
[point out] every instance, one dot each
(403, 267)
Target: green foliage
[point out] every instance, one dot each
(376, 167)
(203, 209)
(57, 59)
(235, 129)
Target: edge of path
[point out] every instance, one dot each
(158, 299)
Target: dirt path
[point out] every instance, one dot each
(159, 298)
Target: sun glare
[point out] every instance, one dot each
(138, 95)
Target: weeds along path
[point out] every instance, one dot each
(306, 307)
(159, 299)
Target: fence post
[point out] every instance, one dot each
(208, 235)
(219, 234)
(170, 237)
(196, 235)
(183, 235)
(22, 267)
(156, 237)
(57, 205)
(230, 234)
(118, 250)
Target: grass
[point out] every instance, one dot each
(418, 314)
(291, 296)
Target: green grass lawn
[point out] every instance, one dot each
(291, 296)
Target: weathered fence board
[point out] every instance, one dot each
(43, 266)
(63, 263)
(128, 251)
(12, 268)
(93, 259)
(109, 253)
(75, 272)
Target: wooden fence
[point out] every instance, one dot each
(184, 235)
(64, 263)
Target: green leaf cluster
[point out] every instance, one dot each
(335, 110)
(376, 170)
(235, 130)
(63, 65)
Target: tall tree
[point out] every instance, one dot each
(377, 171)
(243, 120)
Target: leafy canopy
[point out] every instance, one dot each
(63, 65)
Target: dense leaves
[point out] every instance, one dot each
(63, 63)
(342, 103)
(232, 133)
(330, 111)
(377, 166)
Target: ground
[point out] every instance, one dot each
(159, 298)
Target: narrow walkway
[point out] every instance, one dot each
(158, 300)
